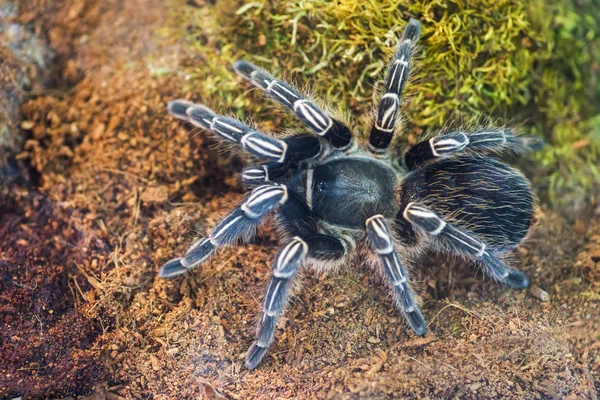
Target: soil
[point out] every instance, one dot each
(116, 188)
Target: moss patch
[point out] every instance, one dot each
(480, 62)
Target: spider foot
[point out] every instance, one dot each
(516, 280)
(416, 321)
(255, 355)
(172, 268)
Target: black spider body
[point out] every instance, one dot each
(332, 196)
(348, 190)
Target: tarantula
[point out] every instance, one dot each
(334, 198)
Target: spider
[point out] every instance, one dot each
(334, 198)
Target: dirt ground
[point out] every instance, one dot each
(115, 188)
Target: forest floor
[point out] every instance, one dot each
(116, 187)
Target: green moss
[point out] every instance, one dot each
(508, 61)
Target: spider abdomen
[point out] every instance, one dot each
(348, 191)
(482, 195)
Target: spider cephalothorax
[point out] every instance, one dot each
(333, 196)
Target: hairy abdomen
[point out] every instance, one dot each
(484, 196)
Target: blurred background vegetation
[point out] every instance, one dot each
(529, 64)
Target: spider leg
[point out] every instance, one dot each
(295, 148)
(382, 242)
(388, 112)
(296, 218)
(240, 223)
(482, 141)
(325, 247)
(286, 265)
(461, 241)
(264, 173)
(316, 119)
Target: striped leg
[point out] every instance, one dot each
(389, 106)
(286, 265)
(295, 148)
(483, 141)
(240, 223)
(296, 218)
(316, 119)
(303, 148)
(382, 242)
(261, 174)
(463, 242)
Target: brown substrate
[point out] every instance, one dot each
(123, 188)
(48, 345)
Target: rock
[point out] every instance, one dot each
(539, 294)
(24, 59)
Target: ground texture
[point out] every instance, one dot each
(115, 188)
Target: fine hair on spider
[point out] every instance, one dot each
(334, 198)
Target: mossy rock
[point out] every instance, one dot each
(526, 64)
